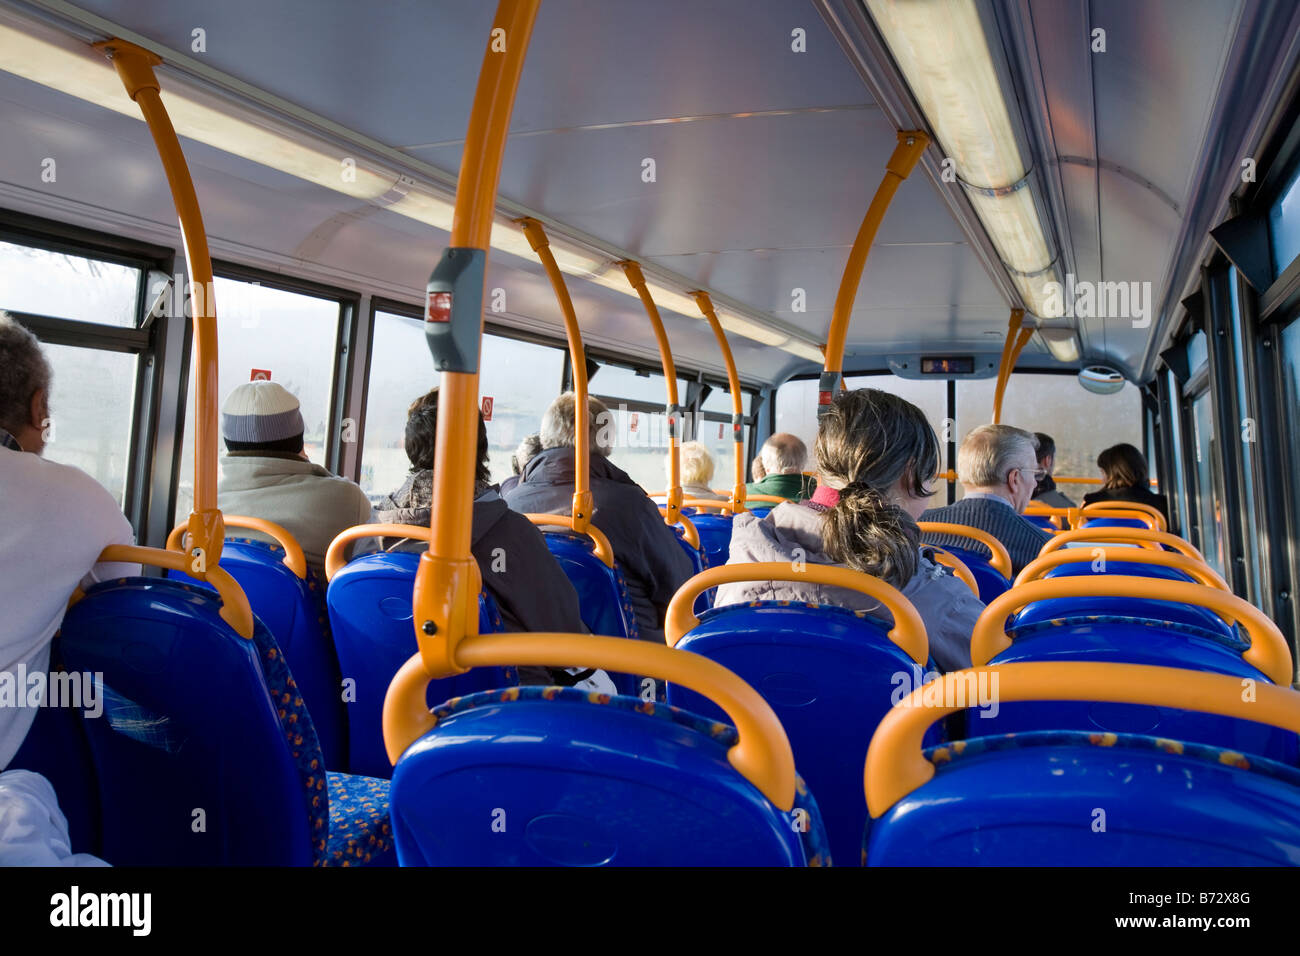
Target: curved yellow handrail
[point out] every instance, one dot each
(335, 557)
(911, 144)
(294, 559)
(999, 557)
(1115, 509)
(1145, 537)
(1203, 573)
(895, 765)
(908, 632)
(134, 67)
(711, 504)
(738, 494)
(445, 597)
(234, 603)
(604, 550)
(959, 568)
(1268, 649)
(774, 499)
(1016, 340)
(762, 754)
(1061, 517)
(689, 531)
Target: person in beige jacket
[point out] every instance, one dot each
(265, 474)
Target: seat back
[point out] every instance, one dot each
(715, 536)
(1113, 523)
(293, 609)
(1080, 799)
(370, 611)
(1040, 521)
(553, 776)
(991, 581)
(829, 673)
(202, 757)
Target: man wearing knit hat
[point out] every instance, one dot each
(266, 474)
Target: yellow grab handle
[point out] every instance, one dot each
(604, 550)
(712, 504)
(234, 603)
(334, 557)
(1115, 509)
(1203, 573)
(294, 559)
(689, 531)
(762, 754)
(999, 557)
(738, 494)
(1268, 649)
(774, 499)
(1145, 537)
(908, 632)
(959, 568)
(895, 765)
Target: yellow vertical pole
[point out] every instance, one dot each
(911, 144)
(705, 302)
(134, 67)
(445, 598)
(582, 502)
(1016, 340)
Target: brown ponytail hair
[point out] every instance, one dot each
(867, 441)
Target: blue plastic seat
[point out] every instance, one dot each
(1078, 799)
(1040, 521)
(205, 752)
(829, 673)
(715, 536)
(370, 610)
(1135, 641)
(293, 609)
(549, 776)
(1114, 523)
(991, 582)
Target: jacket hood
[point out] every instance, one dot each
(412, 504)
(774, 536)
(555, 466)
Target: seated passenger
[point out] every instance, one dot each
(875, 455)
(54, 522)
(1046, 492)
(530, 589)
(1126, 479)
(696, 472)
(526, 452)
(756, 469)
(647, 550)
(783, 457)
(997, 466)
(265, 474)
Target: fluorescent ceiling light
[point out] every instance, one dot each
(941, 48)
(750, 330)
(1062, 343)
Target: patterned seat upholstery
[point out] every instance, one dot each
(545, 776)
(1095, 800)
(206, 753)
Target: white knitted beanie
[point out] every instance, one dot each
(260, 412)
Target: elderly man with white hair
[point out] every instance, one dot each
(998, 468)
(784, 457)
(645, 548)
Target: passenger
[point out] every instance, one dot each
(653, 562)
(875, 454)
(527, 583)
(1126, 479)
(54, 522)
(1046, 492)
(265, 474)
(696, 472)
(783, 457)
(998, 468)
(756, 468)
(526, 452)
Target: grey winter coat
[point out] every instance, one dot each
(946, 605)
(645, 548)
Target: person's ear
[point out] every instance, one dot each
(38, 410)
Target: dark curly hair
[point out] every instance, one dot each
(422, 436)
(868, 441)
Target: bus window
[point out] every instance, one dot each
(92, 404)
(639, 431)
(67, 286)
(1207, 481)
(1284, 224)
(286, 336)
(1250, 538)
(522, 379)
(1081, 423)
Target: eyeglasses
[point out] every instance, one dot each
(1038, 473)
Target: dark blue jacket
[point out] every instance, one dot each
(644, 547)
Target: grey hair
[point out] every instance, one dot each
(558, 429)
(24, 370)
(526, 452)
(697, 463)
(989, 452)
(784, 454)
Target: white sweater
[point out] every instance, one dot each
(54, 522)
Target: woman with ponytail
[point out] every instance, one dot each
(875, 454)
